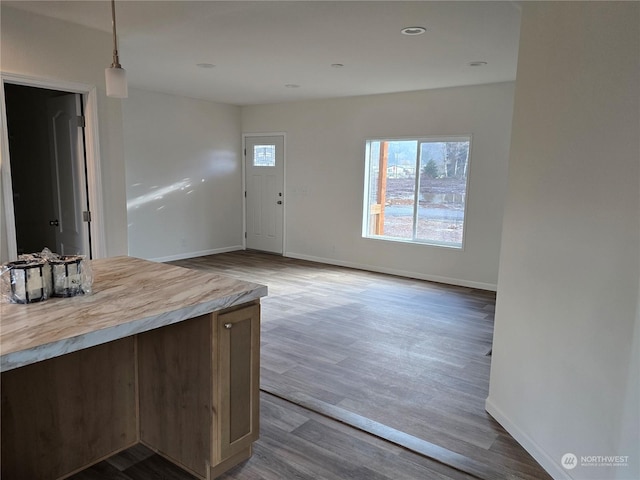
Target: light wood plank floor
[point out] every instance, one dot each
(399, 358)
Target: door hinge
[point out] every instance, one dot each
(245, 234)
(86, 216)
(245, 152)
(245, 194)
(81, 122)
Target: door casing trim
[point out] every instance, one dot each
(92, 153)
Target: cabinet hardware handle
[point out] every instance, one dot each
(228, 325)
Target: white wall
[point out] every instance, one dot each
(184, 176)
(562, 377)
(325, 176)
(42, 47)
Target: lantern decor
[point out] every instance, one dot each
(35, 277)
(66, 274)
(30, 280)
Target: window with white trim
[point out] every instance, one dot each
(416, 190)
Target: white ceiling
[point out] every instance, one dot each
(259, 47)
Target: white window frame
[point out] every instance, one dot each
(366, 206)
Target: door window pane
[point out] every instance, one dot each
(264, 155)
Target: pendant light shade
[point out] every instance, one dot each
(116, 78)
(115, 75)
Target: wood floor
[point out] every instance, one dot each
(295, 443)
(378, 357)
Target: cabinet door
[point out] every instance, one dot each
(238, 379)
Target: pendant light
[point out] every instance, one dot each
(115, 75)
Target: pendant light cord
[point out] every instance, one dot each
(116, 60)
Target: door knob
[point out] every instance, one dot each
(54, 223)
(279, 202)
(228, 325)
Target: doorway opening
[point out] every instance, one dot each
(48, 170)
(83, 173)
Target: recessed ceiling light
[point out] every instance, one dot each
(477, 64)
(337, 65)
(413, 30)
(205, 65)
(292, 85)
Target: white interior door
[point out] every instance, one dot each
(264, 182)
(68, 175)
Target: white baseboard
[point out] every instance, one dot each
(182, 256)
(551, 465)
(392, 271)
(330, 261)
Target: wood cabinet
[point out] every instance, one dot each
(202, 372)
(189, 391)
(61, 414)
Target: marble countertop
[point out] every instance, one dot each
(130, 296)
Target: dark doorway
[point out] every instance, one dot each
(48, 200)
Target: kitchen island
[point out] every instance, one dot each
(157, 354)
